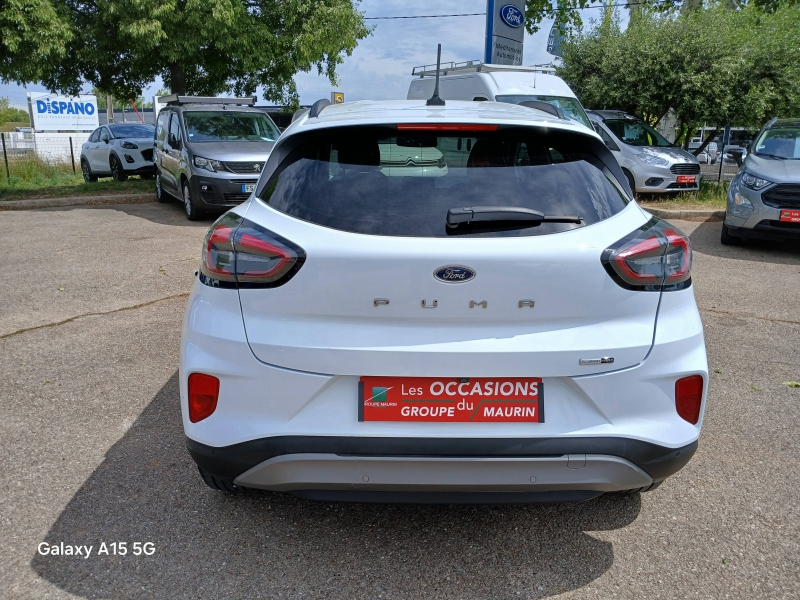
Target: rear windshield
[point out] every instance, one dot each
(382, 181)
(229, 126)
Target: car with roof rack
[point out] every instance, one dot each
(513, 329)
(651, 163)
(209, 152)
(764, 196)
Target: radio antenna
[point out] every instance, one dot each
(435, 100)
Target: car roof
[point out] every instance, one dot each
(610, 114)
(416, 111)
(784, 123)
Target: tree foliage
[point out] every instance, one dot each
(9, 114)
(711, 65)
(197, 46)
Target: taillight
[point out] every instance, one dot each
(203, 395)
(239, 253)
(689, 397)
(653, 258)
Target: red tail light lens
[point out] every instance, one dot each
(239, 253)
(203, 395)
(653, 258)
(689, 397)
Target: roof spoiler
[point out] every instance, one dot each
(175, 99)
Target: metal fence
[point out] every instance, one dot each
(720, 172)
(25, 153)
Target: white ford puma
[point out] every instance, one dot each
(507, 327)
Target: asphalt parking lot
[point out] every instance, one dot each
(92, 451)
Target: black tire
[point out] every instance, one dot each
(88, 176)
(728, 239)
(117, 171)
(631, 181)
(162, 196)
(192, 213)
(221, 485)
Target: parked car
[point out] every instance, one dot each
(210, 151)
(118, 151)
(709, 155)
(473, 80)
(651, 164)
(764, 196)
(516, 329)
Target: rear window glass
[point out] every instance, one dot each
(382, 181)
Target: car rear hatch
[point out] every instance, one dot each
(371, 294)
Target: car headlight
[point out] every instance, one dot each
(129, 145)
(209, 164)
(653, 160)
(754, 182)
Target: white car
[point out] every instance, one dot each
(515, 330)
(118, 151)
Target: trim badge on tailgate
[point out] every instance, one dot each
(596, 361)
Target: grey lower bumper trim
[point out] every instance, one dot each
(444, 474)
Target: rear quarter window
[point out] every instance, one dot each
(382, 181)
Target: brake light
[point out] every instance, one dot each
(239, 253)
(203, 395)
(445, 127)
(689, 398)
(653, 258)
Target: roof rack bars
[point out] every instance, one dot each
(175, 99)
(476, 66)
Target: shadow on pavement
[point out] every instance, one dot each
(705, 239)
(211, 544)
(169, 213)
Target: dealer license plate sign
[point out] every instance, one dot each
(451, 399)
(687, 179)
(790, 216)
(247, 188)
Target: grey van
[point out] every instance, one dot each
(764, 196)
(209, 152)
(651, 163)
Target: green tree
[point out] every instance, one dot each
(8, 114)
(198, 46)
(710, 65)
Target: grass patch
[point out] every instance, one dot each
(711, 196)
(33, 177)
(7, 127)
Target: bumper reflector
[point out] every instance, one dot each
(203, 394)
(689, 397)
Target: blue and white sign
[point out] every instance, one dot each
(51, 112)
(512, 16)
(554, 41)
(505, 32)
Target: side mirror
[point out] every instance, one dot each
(105, 140)
(173, 141)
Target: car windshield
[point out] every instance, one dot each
(781, 142)
(229, 126)
(571, 107)
(132, 131)
(382, 181)
(636, 132)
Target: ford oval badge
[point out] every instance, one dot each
(454, 274)
(512, 16)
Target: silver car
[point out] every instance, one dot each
(209, 152)
(764, 196)
(651, 163)
(118, 150)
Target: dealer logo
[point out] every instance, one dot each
(512, 16)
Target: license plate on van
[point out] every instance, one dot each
(451, 399)
(248, 187)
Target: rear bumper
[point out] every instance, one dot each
(298, 463)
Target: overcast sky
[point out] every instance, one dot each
(380, 67)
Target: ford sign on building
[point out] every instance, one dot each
(50, 112)
(505, 32)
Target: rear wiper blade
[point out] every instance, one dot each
(486, 214)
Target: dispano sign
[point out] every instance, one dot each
(50, 112)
